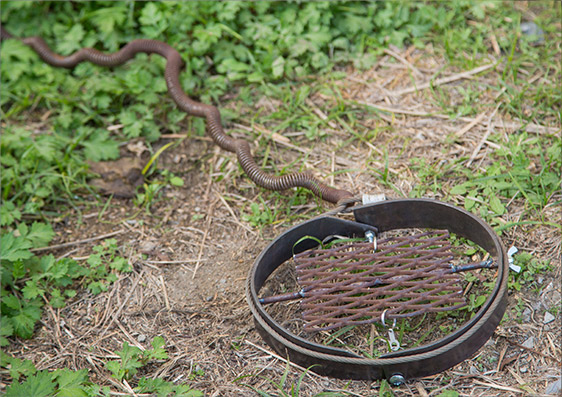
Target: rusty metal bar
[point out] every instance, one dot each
(487, 264)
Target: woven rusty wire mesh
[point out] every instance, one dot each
(351, 283)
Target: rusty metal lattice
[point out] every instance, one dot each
(350, 284)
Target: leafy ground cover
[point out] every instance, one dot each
(444, 100)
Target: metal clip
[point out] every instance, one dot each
(372, 198)
(393, 342)
(512, 251)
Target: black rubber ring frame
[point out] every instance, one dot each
(409, 363)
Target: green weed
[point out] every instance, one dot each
(65, 382)
(29, 282)
(61, 382)
(265, 48)
(260, 215)
(245, 42)
(530, 268)
(152, 189)
(522, 167)
(133, 358)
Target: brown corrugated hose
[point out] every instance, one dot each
(174, 64)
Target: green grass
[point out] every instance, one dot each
(55, 120)
(258, 45)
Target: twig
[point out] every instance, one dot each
(165, 293)
(530, 127)
(274, 136)
(129, 336)
(534, 351)
(495, 45)
(202, 245)
(72, 251)
(404, 61)
(108, 303)
(421, 390)
(493, 385)
(401, 111)
(468, 127)
(129, 388)
(500, 359)
(88, 240)
(320, 113)
(308, 372)
(173, 136)
(445, 80)
(234, 215)
(210, 211)
(484, 138)
(171, 262)
(115, 127)
(344, 392)
(517, 377)
(118, 312)
(332, 174)
(181, 136)
(55, 320)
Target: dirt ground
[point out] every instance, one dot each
(192, 253)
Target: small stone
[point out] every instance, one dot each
(554, 387)
(209, 298)
(141, 338)
(540, 279)
(147, 247)
(523, 370)
(534, 31)
(473, 370)
(550, 297)
(526, 315)
(548, 318)
(529, 343)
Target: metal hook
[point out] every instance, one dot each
(393, 342)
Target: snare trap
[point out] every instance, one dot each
(393, 262)
(350, 273)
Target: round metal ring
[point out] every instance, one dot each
(408, 363)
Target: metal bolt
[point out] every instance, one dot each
(370, 235)
(397, 380)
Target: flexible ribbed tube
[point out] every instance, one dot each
(211, 113)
